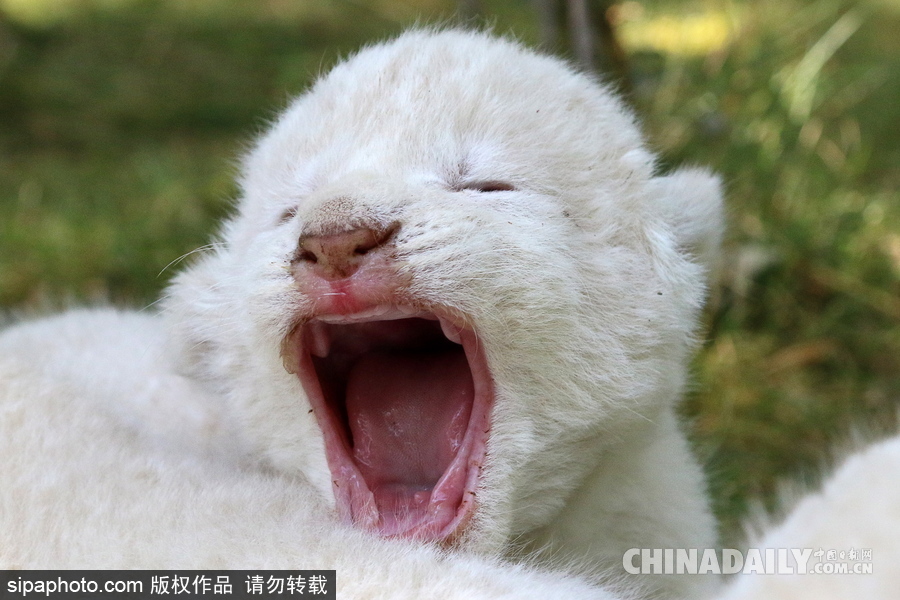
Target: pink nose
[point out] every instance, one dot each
(339, 255)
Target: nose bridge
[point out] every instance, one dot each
(359, 200)
(346, 225)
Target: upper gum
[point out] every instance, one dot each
(378, 313)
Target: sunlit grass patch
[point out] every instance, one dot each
(46, 12)
(693, 34)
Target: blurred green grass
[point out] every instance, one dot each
(120, 122)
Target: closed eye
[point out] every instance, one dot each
(488, 186)
(287, 215)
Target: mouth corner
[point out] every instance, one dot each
(403, 398)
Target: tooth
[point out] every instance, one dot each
(373, 313)
(319, 340)
(386, 313)
(451, 331)
(333, 318)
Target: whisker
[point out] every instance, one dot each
(203, 248)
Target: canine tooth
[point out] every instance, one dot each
(376, 311)
(451, 331)
(391, 313)
(319, 340)
(333, 318)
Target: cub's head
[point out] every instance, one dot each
(453, 281)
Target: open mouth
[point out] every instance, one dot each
(403, 398)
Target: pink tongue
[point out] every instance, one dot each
(408, 414)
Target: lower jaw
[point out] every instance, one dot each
(401, 510)
(431, 513)
(405, 525)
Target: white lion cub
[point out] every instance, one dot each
(443, 334)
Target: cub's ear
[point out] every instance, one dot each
(690, 202)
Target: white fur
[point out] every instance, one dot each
(857, 508)
(123, 444)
